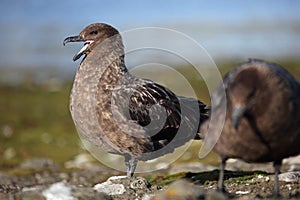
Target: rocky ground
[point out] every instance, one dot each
(41, 179)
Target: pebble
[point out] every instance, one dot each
(293, 163)
(110, 188)
(58, 191)
(289, 176)
(121, 185)
(182, 189)
(242, 192)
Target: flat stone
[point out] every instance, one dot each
(289, 176)
(292, 163)
(179, 190)
(110, 188)
(123, 186)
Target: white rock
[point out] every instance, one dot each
(260, 176)
(289, 176)
(148, 197)
(292, 160)
(58, 191)
(242, 192)
(115, 178)
(111, 188)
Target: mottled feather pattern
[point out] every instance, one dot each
(121, 113)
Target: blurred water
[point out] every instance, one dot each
(32, 31)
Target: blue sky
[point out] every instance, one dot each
(33, 30)
(125, 12)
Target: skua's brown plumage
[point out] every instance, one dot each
(262, 119)
(123, 114)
